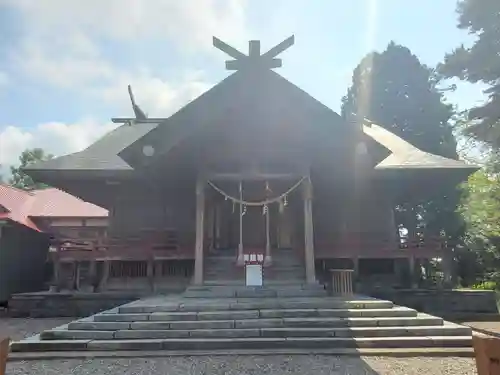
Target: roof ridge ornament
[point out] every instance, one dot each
(138, 112)
(254, 59)
(140, 117)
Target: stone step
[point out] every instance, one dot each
(292, 276)
(226, 282)
(284, 267)
(35, 344)
(240, 281)
(355, 332)
(225, 292)
(255, 304)
(257, 314)
(321, 322)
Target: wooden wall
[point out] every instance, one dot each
(139, 206)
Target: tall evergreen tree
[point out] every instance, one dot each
(393, 89)
(479, 63)
(20, 179)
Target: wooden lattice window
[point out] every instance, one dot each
(132, 269)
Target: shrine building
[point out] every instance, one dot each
(255, 165)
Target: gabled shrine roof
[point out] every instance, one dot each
(23, 206)
(406, 156)
(242, 94)
(101, 155)
(252, 91)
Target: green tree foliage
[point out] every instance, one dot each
(480, 209)
(20, 179)
(479, 63)
(393, 89)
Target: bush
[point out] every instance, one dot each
(486, 285)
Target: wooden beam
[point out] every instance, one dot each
(226, 48)
(245, 64)
(254, 49)
(276, 50)
(252, 176)
(254, 59)
(133, 120)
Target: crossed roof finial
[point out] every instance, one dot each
(254, 59)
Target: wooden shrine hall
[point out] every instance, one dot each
(253, 165)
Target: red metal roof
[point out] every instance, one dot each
(22, 206)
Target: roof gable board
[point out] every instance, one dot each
(405, 155)
(242, 94)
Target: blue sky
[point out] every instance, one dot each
(65, 64)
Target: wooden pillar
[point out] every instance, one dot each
(217, 218)
(268, 259)
(355, 261)
(76, 275)
(240, 259)
(56, 272)
(200, 212)
(308, 233)
(210, 226)
(150, 273)
(393, 228)
(284, 228)
(92, 273)
(411, 261)
(104, 276)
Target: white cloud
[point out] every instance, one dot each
(54, 137)
(156, 96)
(4, 79)
(62, 45)
(188, 22)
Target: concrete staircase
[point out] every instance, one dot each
(287, 266)
(221, 269)
(241, 318)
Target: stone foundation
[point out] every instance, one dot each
(67, 304)
(442, 302)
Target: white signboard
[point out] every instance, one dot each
(253, 274)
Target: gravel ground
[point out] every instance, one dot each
(18, 328)
(251, 365)
(227, 365)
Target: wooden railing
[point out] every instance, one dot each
(148, 244)
(87, 264)
(366, 246)
(341, 282)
